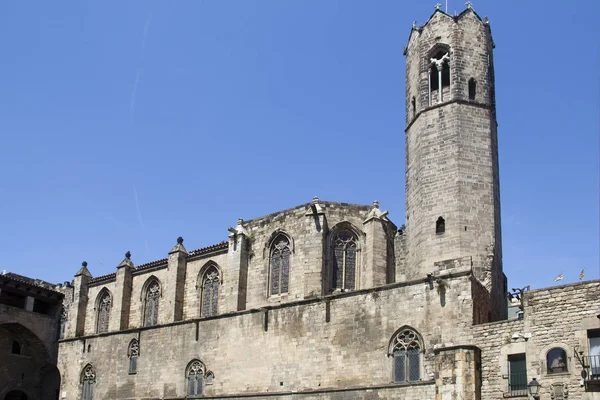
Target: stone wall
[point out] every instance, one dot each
(554, 317)
(340, 341)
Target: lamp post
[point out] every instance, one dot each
(534, 388)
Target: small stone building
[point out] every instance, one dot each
(331, 300)
(30, 314)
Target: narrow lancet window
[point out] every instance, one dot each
(472, 89)
(16, 347)
(344, 260)
(414, 107)
(152, 301)
(280, 265)
(440, 226)
(210, 292)
(103, 312)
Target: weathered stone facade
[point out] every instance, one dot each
(30, 314)
(331, 300)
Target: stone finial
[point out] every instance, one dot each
(437, 6)
(414, 24)
(178, 247)
(469, 5)
(376, 204)
(315, 200)
(128, 255)
(486, 20)
(84, 264)
(238, 230)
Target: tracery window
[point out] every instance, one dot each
(556, 361)
(88, 379)
(152, 300)
(406, 349)
(280, 265)
(195, 379)
(133, 353)
(344, 259)
(103, 312)
(439, 74)
(210, 292)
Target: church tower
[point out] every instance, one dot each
(452, 182)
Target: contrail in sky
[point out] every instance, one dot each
(140, 219)
(139, 69)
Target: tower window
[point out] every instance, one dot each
(472, 89)
(103, 306)
(440, 226)
(439, 73)
(414, 107)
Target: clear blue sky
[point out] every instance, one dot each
(127, 124)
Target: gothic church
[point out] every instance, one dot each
(332, 300)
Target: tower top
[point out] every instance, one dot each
(456, 18)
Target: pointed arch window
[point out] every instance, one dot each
(133, 352)
(210, 292)
(104, 304)
(88, 380)
(439, 74)
(195, 379)
(440, 226)
(406, 351)
(344, 253)
(280, 265)
(152, 302)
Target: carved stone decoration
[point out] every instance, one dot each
(559, 391)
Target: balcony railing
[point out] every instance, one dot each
(517, 384)
(591, 367)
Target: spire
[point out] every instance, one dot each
(83, 270)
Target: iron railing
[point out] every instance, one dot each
(517, 384)
(591, 367)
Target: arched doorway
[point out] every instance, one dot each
(15, 395)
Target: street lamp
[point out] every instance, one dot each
(534, 388)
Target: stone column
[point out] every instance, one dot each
(80, 300)
(177, 268)
(458, 373)
(235, 274)
(122, 295)
(375, 269)
(314, 263)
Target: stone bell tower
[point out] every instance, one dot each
(452, 183)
